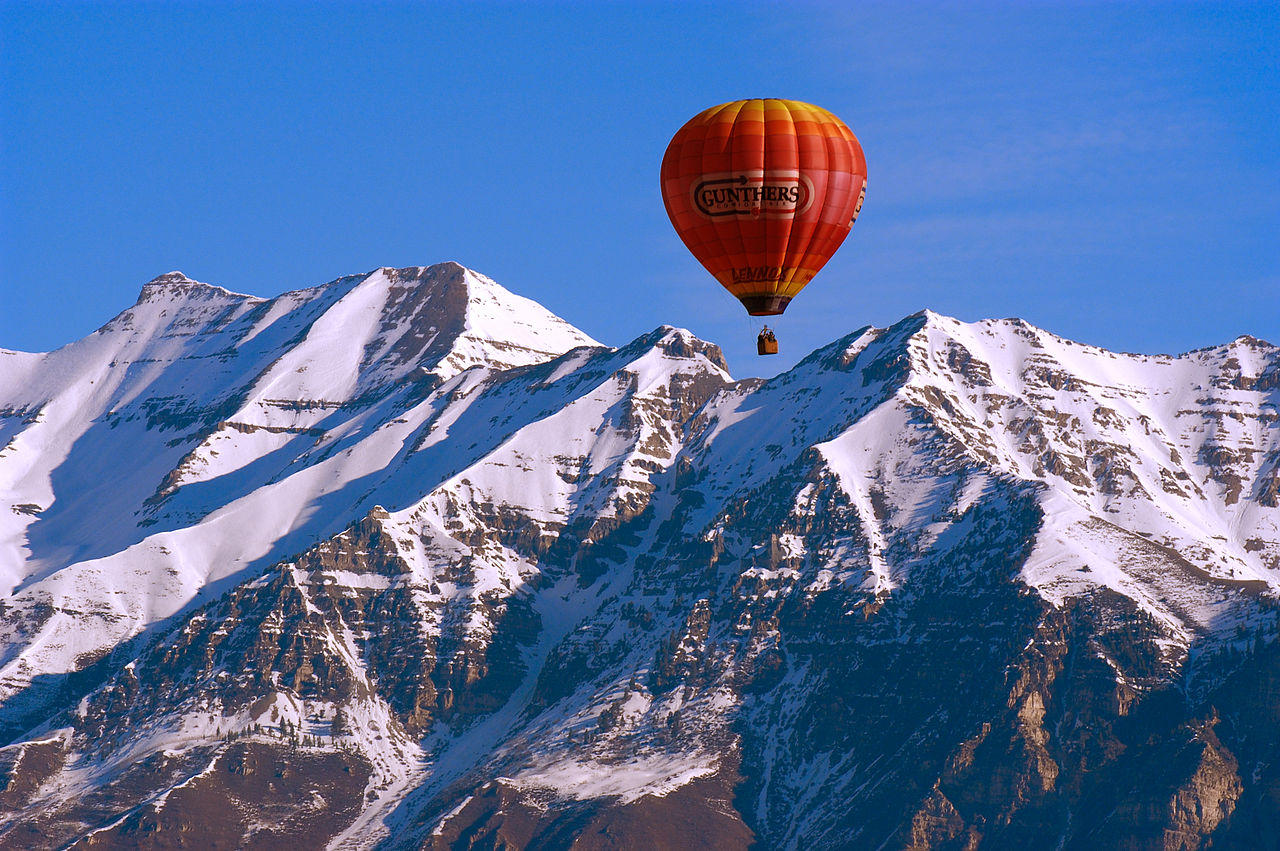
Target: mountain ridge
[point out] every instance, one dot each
(536, 589)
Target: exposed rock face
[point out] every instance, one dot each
(405, 561)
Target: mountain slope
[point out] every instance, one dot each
(404, 560)
(199, 433)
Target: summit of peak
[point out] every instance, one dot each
(929, 319)
(174, 277)
(932, 317)
(680, 343)
(448, 318)
(449, 269)
(1252, 342)
(176, 283)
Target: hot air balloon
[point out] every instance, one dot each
(763, 192)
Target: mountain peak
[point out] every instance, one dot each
(174, 277)
(680, 343)
(447, 267)
(1252, 342)
(449, 318)
(176, 283)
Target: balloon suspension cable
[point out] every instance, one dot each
(754, 325)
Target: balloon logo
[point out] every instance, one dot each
(763, 192)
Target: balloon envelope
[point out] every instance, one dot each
(763, 192)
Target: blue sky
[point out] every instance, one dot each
(1107, 171)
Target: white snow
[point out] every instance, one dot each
(656, 775)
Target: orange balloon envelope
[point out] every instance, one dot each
(763, 192)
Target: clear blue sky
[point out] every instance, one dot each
(1110, 172)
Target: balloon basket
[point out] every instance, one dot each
(766, 346)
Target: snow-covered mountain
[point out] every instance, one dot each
(404, 560)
